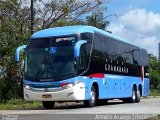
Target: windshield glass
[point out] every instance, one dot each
(49, 59)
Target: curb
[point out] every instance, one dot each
(152, 97)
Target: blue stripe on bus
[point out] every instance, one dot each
(111, 86)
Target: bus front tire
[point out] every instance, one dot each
(133, 97)
(48, 104)
(92, 101)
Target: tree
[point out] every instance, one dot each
(154, 72)
(13, 33)
(10, 87)
(98, 20)
(70, 10)
(47, 13)
(14, 16)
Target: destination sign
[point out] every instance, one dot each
(65, 39)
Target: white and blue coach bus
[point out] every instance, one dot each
(83, 63)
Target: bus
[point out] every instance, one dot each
(83, 63)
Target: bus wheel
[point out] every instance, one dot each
(138, 96)
(48, 104)
(133, 97)
(92, 101)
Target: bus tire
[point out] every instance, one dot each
(138, 96)
(92, 101)
(48, 104)
(132, 99)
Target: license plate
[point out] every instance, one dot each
(47, 96)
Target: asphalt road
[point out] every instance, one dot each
(148, 107)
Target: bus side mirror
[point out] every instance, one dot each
(77, 47)
(17, 53)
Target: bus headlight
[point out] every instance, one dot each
(69, 85)
(27, 87)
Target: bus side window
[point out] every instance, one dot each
(87, 36)
(142, 57)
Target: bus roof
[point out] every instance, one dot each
(68, 30)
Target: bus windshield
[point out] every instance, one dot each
(48, 59)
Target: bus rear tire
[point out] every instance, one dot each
(48, 104)
(138, 96)
(92, 101)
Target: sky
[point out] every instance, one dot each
(137, 21)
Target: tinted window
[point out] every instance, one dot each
(98, 44)
(39, 43)
(141, 57)
(87, 36)
(114, 50)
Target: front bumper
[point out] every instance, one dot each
(72, 93)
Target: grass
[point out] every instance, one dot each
(17, 104)
(154, 92)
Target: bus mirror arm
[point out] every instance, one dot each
(17, 53)
(77, 47)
